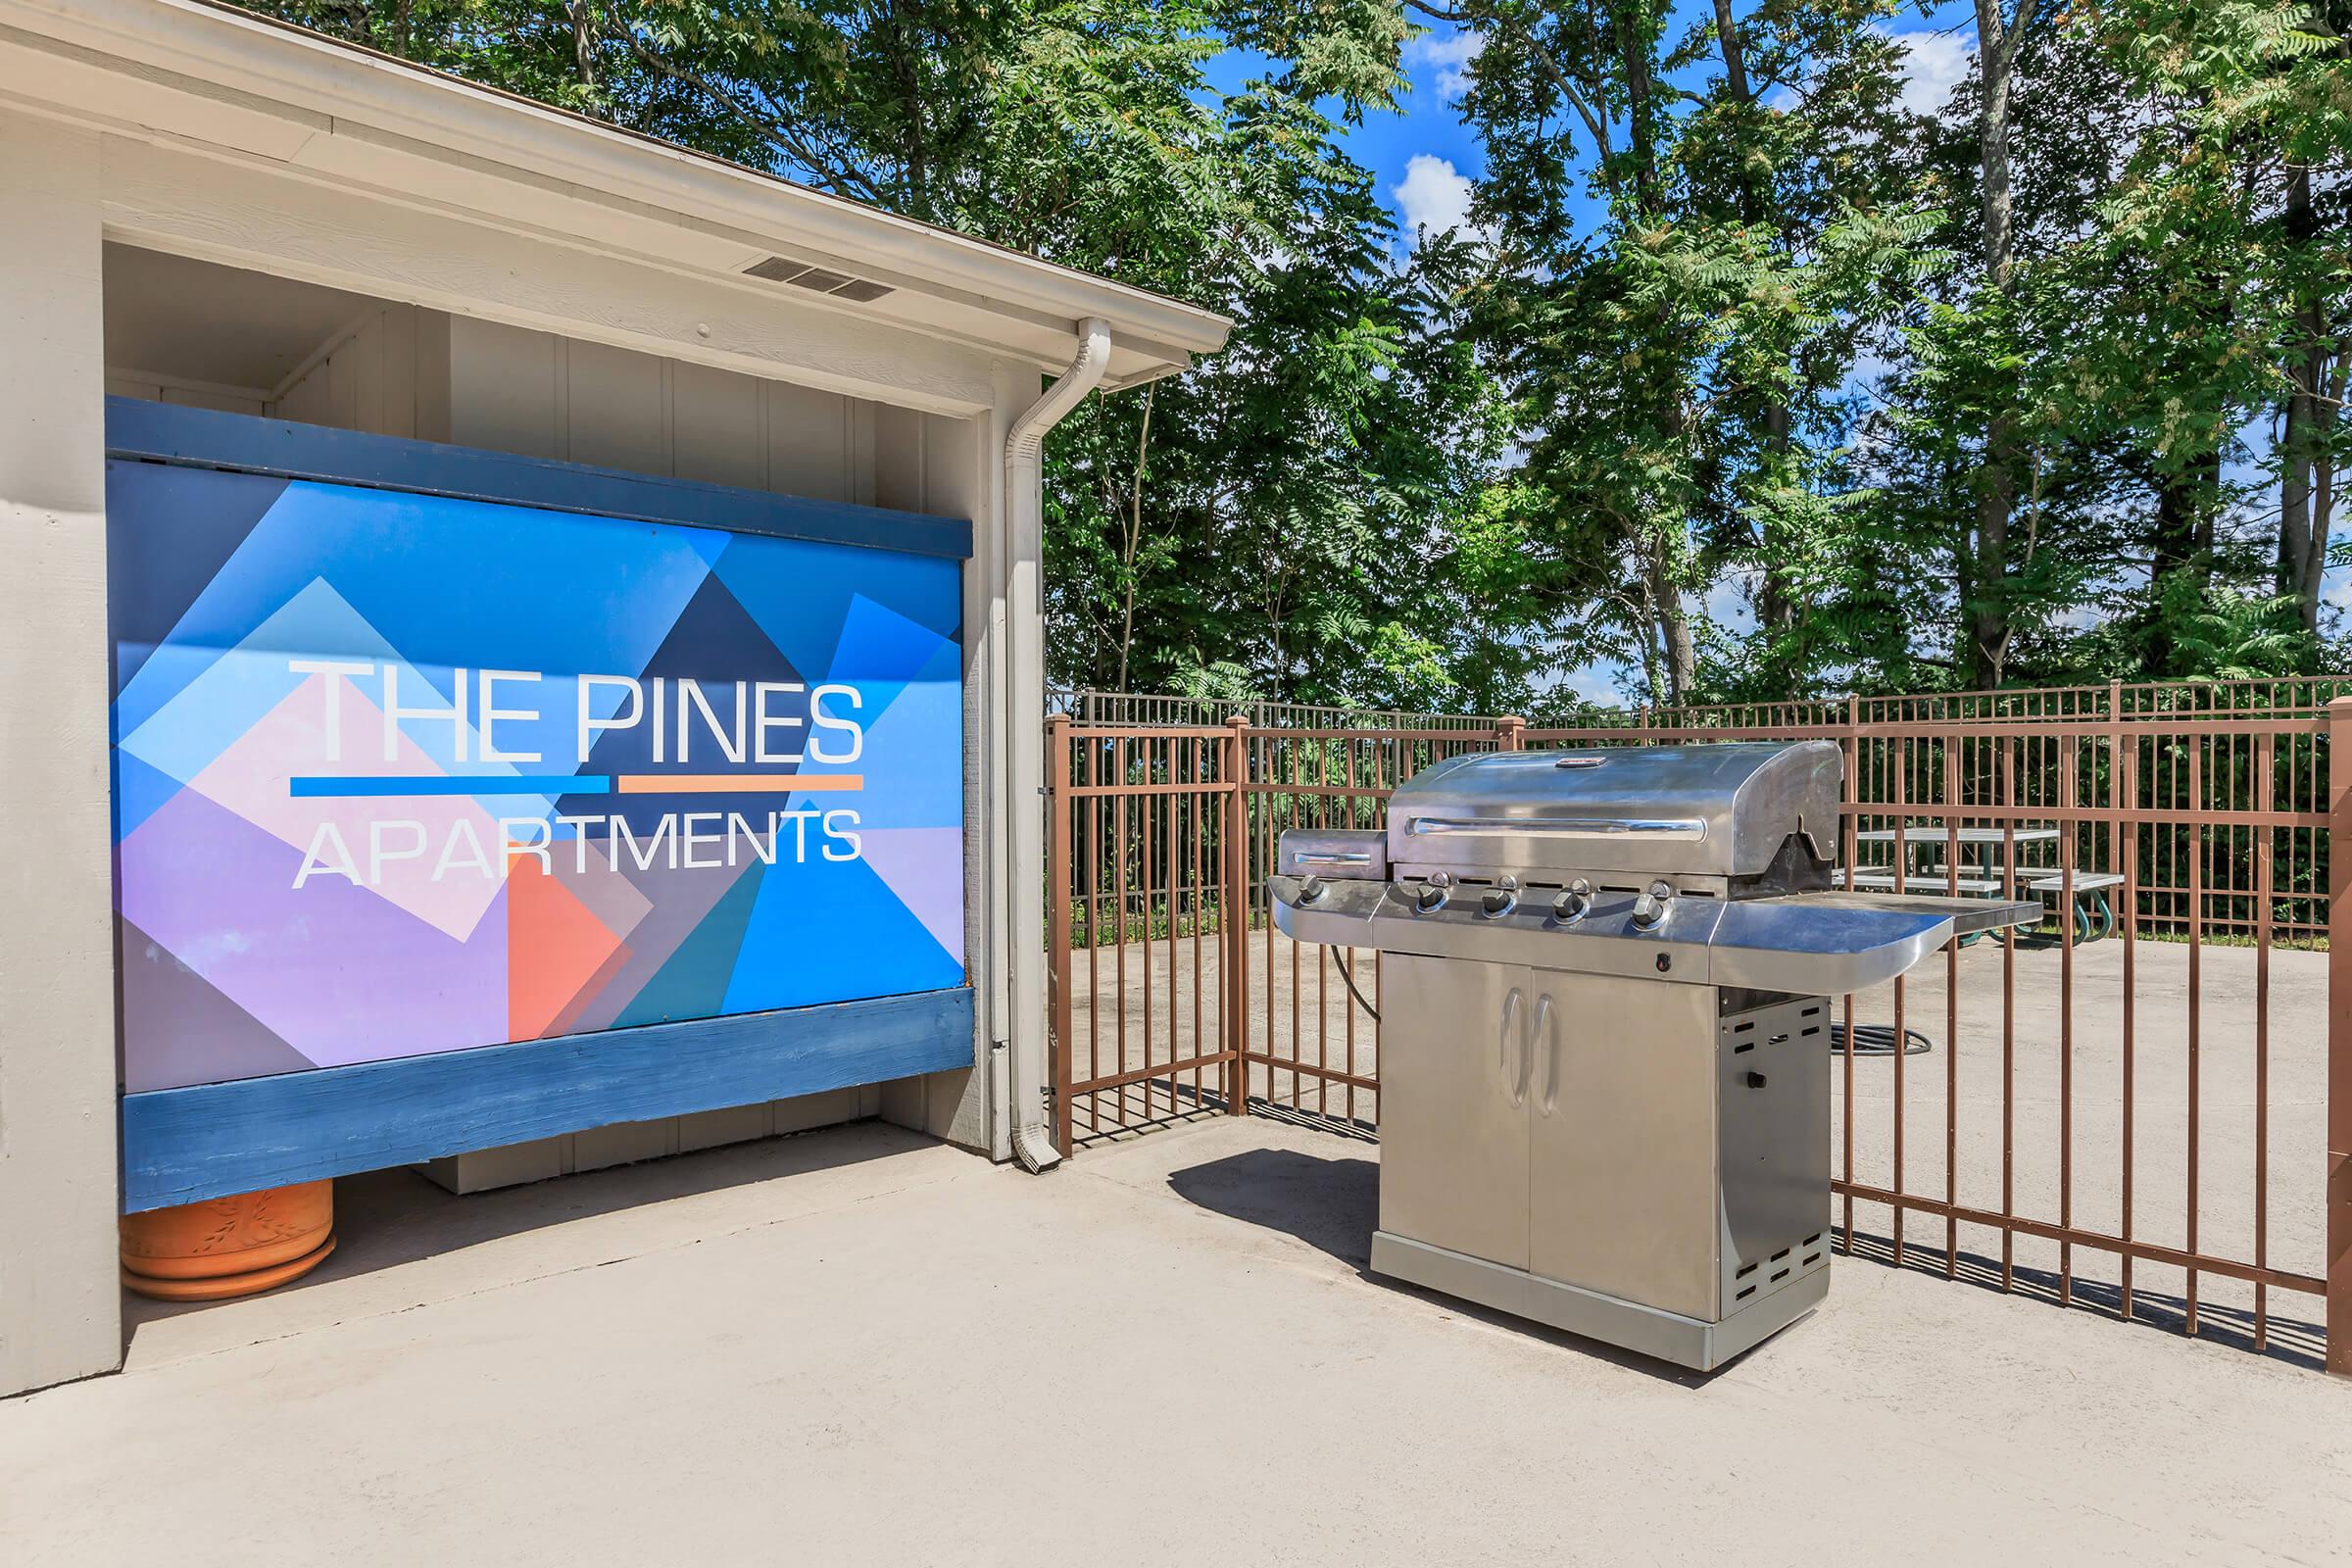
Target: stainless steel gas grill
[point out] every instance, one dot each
(1604, 1046)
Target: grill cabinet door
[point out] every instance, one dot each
(1454, 1069)
(1622, 1167)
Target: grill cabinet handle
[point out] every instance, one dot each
(1514, 1074)
(1691, 828)
(1350, 857)
(1548, 1030)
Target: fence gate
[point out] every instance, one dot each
(2143, 1110)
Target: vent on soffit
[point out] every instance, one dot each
(816, 279)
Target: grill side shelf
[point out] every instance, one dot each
(1967, 915)
(1826, 944)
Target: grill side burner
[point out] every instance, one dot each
(1604, 1042)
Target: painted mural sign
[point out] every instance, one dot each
(397, 775)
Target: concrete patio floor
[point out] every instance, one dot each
(1300, 1010)
(855, 1346)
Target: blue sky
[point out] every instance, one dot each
(1425, 158)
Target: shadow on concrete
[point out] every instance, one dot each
(1334, 1205)
(1103, 1118)
(384, 1219)
(1331, 1205)
(2287, 1339)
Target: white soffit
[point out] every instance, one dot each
(187, 73)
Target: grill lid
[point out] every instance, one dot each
(1720, 810)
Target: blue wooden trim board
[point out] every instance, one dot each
(205, 438)
(182, 1146)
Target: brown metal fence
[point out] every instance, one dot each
(1095, 708)
(2142, 1109)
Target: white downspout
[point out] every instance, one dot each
(1024, 719)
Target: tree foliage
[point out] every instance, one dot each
(1753, 376)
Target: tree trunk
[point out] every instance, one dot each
(1989, 615)
(1634, 47)
(2188, 504)
(1674, 627)
(1681, 654)
(904, 50)
(1997, 44)
(1133, 544)
(1735, 57)
(2322, 486)
(2300, 563)
(1776, 608)
(583, 48)
(2184, 503)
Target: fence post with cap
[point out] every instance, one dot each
(1058, 916)
(1237, 911)
(2339, 1037)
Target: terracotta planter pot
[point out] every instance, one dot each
(230, 1246)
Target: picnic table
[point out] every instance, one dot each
(1981, 873)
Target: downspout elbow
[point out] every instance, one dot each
(1024, 457)
(1025, 445)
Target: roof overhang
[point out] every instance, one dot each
(206, 104)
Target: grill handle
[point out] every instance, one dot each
(1684, 829)
(1548, 1030)
(1357, 853)
(1514, 1074)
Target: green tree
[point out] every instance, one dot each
(1683, 362)
(1745, 376)
(1275, 521)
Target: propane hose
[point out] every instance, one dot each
(1349, 981)
(1878, 1039)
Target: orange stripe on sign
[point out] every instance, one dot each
(735, 783)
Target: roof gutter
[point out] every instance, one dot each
(1024, 776)
(210, 48)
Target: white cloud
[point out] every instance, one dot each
(1434, 195)
(1937, 63)
(1730, 601)
(1451, 56)
(1603, 684)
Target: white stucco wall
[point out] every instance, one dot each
(514, 278)
(60, 1306)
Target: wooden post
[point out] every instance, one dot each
(1506, 732)
(1237, 910)
(2339, 1036)
(1057, 923)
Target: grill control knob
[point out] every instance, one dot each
(1573, 901)
(1312, 888)
(1498, 899)
(1650, 908)
(1431, 896)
